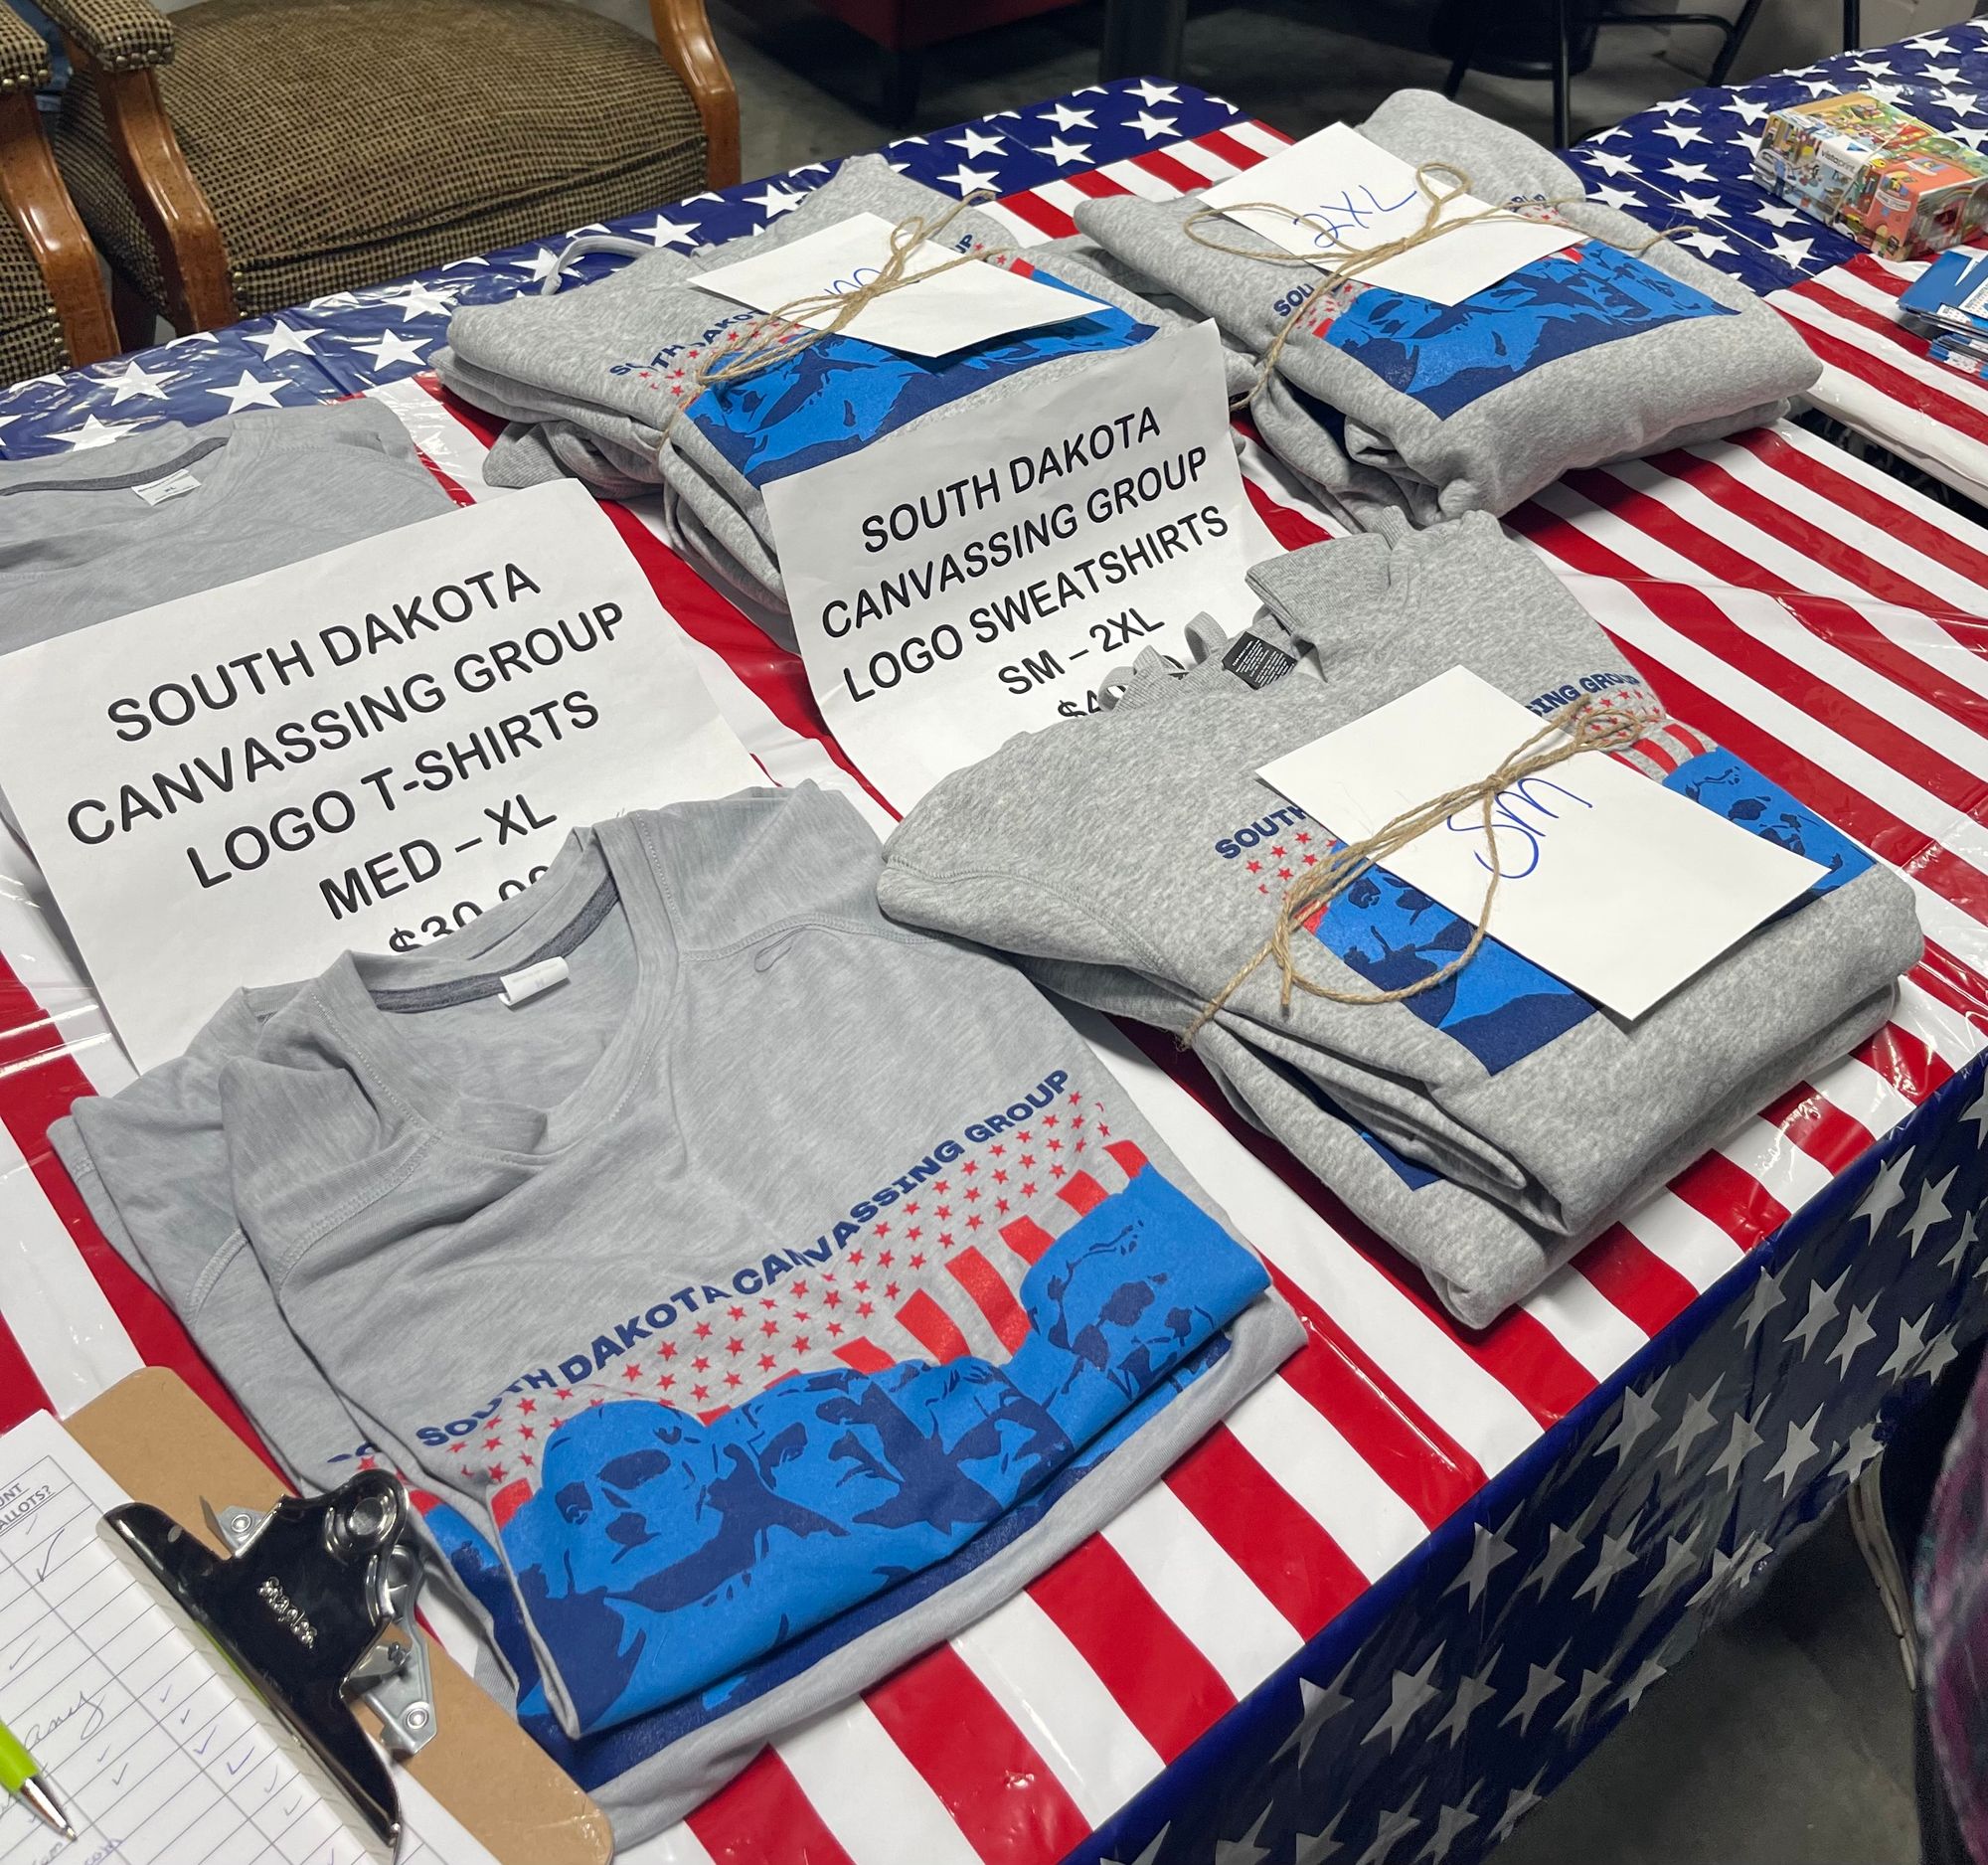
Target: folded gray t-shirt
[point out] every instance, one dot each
(1610, 351)
(740, 1253)
(175, 510)
(1060, 846)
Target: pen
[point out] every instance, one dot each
(23, 1778)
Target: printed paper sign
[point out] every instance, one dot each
(1619, 887)
(361, 751)
(947, 594)
(1346, 195)
(968, 304)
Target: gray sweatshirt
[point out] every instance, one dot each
(1505, 1081)
(1605, 352)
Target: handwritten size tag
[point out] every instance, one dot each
(968, 305)
(1347, 195)
(1613, 883)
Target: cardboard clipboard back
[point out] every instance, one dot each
(164, 1446)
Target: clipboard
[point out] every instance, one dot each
(164, 1446)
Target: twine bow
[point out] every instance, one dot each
(780, 334)
(1593, 726)
(1436, 194)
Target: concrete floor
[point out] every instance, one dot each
(1786, 1739)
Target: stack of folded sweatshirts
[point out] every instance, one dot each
(586, 379)
(1487, 1126)
(1613, 349)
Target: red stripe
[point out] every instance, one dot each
(1845, 626)
(1082, 1193)
(1890, 513)
(1027, 1239)
(1293, 1562)
(1948, 981)
(1873, 270)
(1221, 142)
(992, 1296)
(761, 1817)
(42, 1080)
(1096, 182)
(1733, 1199)
(863, 1355)
(997, 1787)
(1868, 363)
(1635, 1279)
(1154, 1671)
(1131, 1159)
(509, 1500)
(1040, 215)
(1912, 1063)
(21, 1392)
(933, 1329)
(1171, 170)
(1820, 1129)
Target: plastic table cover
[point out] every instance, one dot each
(1687, 167)
(1394, 1598)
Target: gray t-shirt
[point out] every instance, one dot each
(176, 510)
(774, 1258)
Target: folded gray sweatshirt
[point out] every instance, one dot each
(1614, 349)
(1504, 1079)
(588, 377)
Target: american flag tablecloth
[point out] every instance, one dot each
(1687, 166)
(1384, 1607)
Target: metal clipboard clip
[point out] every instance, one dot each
(313, 1605)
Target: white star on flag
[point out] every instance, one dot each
(775, 201)
(1698, 1420)
(664, 231)
(282, 339)
(1153, 128)
(1616, 1555)
(1801, 1450)
(1931, 1210)
(1449, 1822)
(1407, 1692)
(975, 144)
(1542, 1680)
(419, 300)
(1940, 1353)
(1470, 1695)
(1639, 1413)
(541, 266)
(1776, 214)
(1064, 117)
(1388, 1830)
(1700, 205)
(1647, 1673)
(1863, 1448)
(1563, 1544)
(1822, 1310)
(1884, 1193)
(1683, 134)
(1792, 251)
(1521, 1801)
(1956, 1252)
(1320, 1704)
(1608, 162)
(1688, 171)
(1766, 1297)
(1149, 93)
(388, 350)
(1487, 1552)
(1151, 1852)
(1857, 1334)
(969, 180)
(1622, 198)
(1911, 1343)
(1702, 241)
(1064, 153)
(1314, 1848)
(1593, 1684)
(1741, 1442)
(1245, 1850)
(250, 392)
(134, 379)
(1975, 1115)
(1745, 109)
(1679, 1558)
(94, 432)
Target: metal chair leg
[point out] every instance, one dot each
(1853, 24)
(1735, 37)
(1562, 81)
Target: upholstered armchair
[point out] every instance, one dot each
(52, 311)
(240, 155)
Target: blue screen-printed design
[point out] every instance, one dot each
(1446, 356)
(1500, 1006)
(662, 1553)
(1740, 793)
(595, 1760)
(840, 393)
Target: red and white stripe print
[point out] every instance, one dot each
(1786, 600)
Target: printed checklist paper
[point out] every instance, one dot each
(161, 1757)
(1341, 194)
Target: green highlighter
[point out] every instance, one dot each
(23, 1778)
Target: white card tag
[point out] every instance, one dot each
(1615, 885)
(173, 485)
(968, 305)
(1337, 183)
(520, 988)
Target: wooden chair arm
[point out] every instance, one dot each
(33, 194)
(115, 35)
(683, 34)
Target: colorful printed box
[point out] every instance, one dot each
(1884, 178)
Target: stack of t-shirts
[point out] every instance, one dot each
(588, 378)
(1486, 1126)
(756, 1292)
(1613, 349)
(175, 510)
